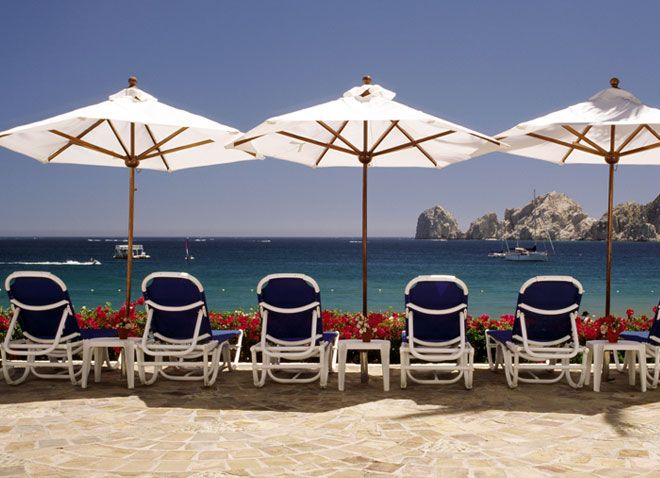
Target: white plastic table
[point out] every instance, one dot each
(97, 348)
(353, 344)
(634, 352)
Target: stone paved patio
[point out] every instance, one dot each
(181, 429)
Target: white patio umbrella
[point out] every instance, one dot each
(613, 127)
(365, 128)
(131, 129)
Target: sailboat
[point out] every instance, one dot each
(188, 257)
(529, 254)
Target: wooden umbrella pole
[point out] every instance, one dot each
(608, 271)
(129, 257)
(364, 362)
(131, 162)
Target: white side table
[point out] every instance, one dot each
(634, 351)
(97, 348)
(353, 344)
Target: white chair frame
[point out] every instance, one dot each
(198, 352)
(456, 355)
(525, 355)
(274, 351)
(57, 353)
(653, 369)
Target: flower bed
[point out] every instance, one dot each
(385, 325)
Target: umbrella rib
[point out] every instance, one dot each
(112, 127)
(85, 144)
(412, 142)
(577, 141)
(485, 138)
(246, 140)
(584, 138)
(630, 138)
(153, 138)
(579, 147)
(146, 153)
(341, 128)
(652, 131)
(416, 142)
(178, 148)
(383, 136)
(640, 150)
(316, 143)
(337, 134)
(69, 144)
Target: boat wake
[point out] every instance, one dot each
(93, 262)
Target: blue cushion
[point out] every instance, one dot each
(547, 295)
(86, 334)
(436, 295)
(37, 291)
(290, 293)
(502, 336)
(635, 336)
(176, 292)
(224, 335)
(330, 336)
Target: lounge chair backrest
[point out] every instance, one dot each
(654, 331)
(30, 290)
(437, 293)
(547, 303)
(290, 291)
(165, 290)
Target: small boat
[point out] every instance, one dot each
(526, 254)
(188, 257)
(497, 254)
(121, 252)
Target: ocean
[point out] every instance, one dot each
(230, 268)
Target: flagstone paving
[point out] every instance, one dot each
(53, 429)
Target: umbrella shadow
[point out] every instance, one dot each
(235, 391)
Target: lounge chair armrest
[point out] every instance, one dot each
(565, 310)
(167, 308)
(423, 310)
(39, 308)
(295, 310)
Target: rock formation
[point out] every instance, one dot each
(486, 227)
(437, 223)
(632, 222)
(553, 214)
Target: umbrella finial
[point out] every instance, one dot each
(614, 82)
(366, 80)
(132, 81)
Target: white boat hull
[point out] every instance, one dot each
(530, 257)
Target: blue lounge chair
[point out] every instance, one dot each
(178, 332)
(544, 335)
(436, 315)
(291, 331)
(651, 339)
(51, 337)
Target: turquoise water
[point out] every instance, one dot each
(230, 268)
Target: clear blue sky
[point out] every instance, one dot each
(487, 65)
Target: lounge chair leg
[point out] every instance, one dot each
(323, 357)
(69, 358)
(255, 366)
(404, 368)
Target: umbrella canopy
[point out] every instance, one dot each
(613, 127)
(365, 128)
(131, 129)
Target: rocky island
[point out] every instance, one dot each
(553, 214)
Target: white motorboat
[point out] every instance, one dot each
(121, 252)
(526, 254)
